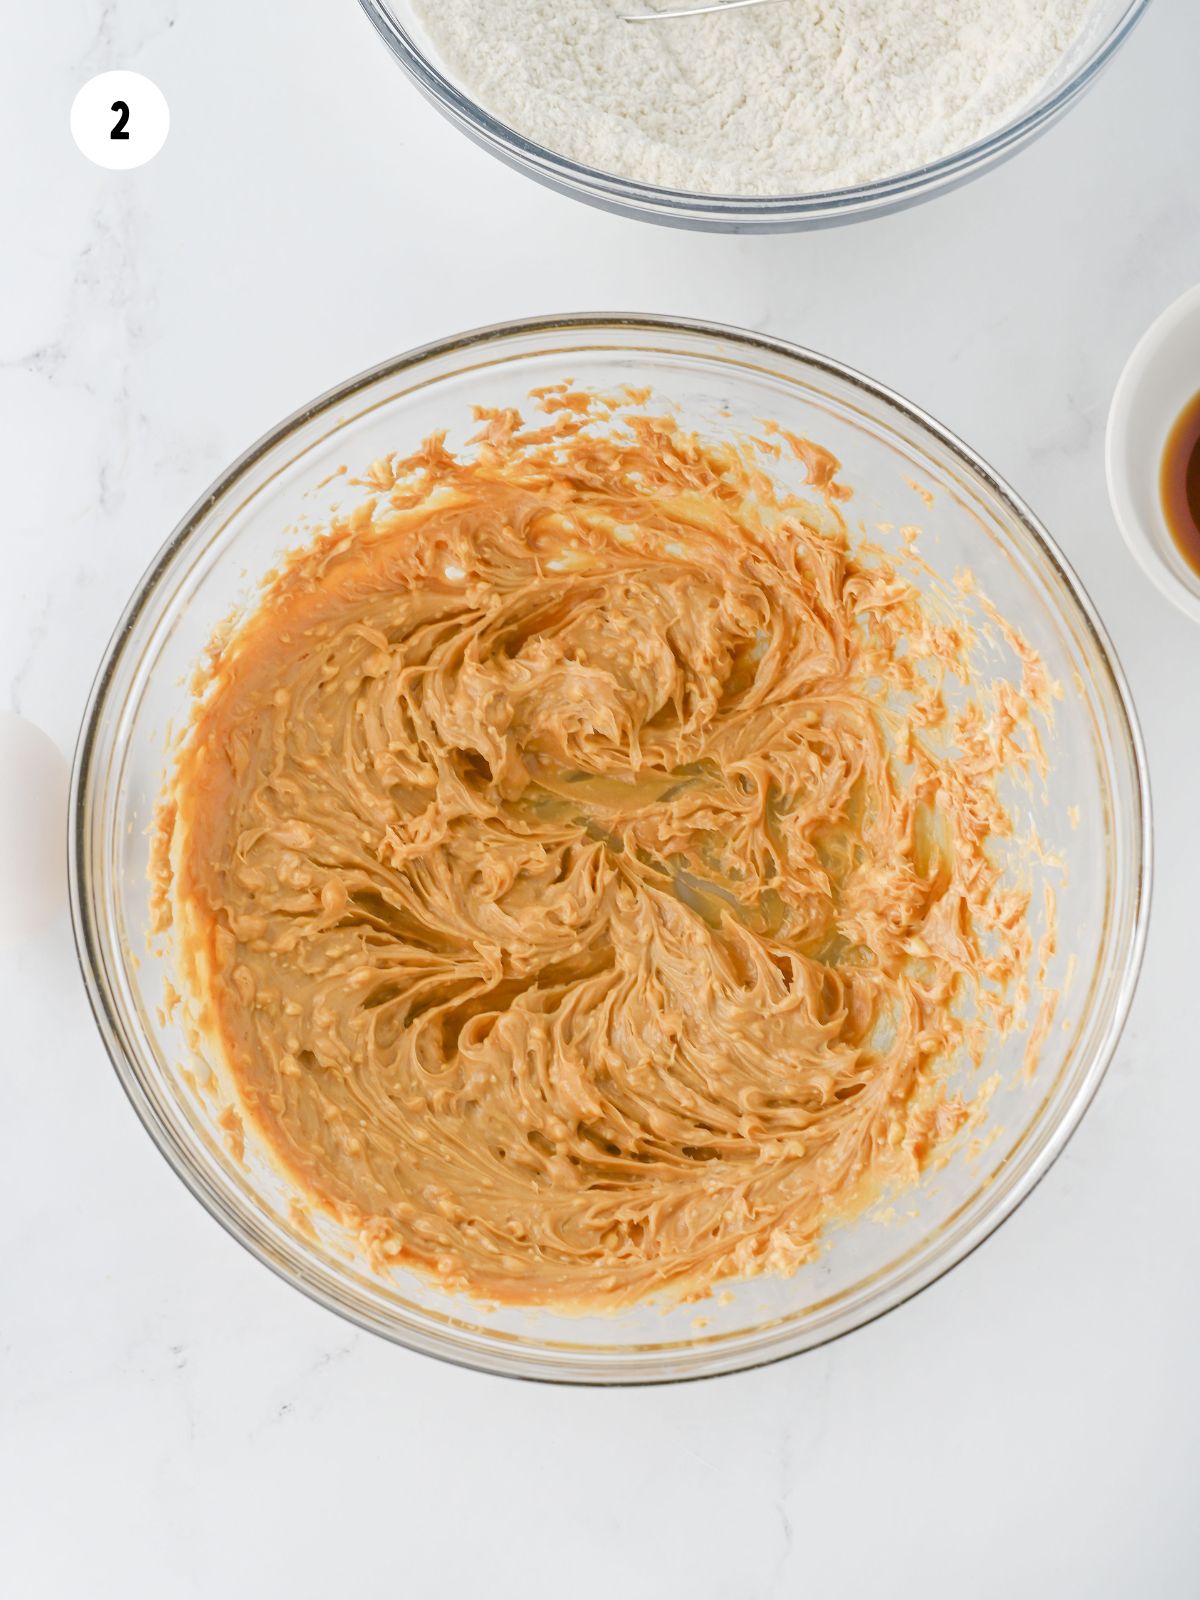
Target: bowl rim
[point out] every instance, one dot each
(183, 1162)
(634, 196)
(1137, 375)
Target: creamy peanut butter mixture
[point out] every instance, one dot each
(579, 865)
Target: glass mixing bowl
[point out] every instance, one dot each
(401, 29)
(1093, 811)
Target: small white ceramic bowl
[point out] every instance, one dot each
(1162, 376)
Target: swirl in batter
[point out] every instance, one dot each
(568, 857)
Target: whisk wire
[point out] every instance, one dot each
(694, 11)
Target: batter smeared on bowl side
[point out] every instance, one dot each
(581, 869)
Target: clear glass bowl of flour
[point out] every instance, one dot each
(1093, 810)
(402, 25)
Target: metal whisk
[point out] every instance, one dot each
(694, 11)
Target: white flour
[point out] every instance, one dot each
(810, 94)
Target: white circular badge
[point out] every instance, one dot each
(120, 119)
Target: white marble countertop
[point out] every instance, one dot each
(176, 1422)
